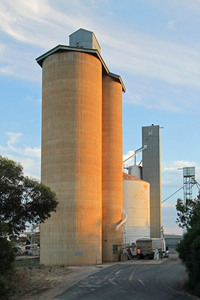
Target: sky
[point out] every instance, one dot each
(153, 45)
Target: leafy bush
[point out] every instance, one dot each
(22, 200)
(189, 253)
(7, 258)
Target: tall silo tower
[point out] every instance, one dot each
(112, 181)
(151, 173)
(72, 149)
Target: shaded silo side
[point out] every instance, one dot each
(72, 157)
(136, 202)
(112, 193)
(151, 173)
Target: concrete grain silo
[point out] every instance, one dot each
(72, 149)
(112, 187)
(151, 173)
(136, 202)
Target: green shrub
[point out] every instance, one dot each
(189, 253)
(6, 288)
(7, 256)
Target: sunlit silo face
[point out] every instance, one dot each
(71, 157)
(112, 200)
(72, 153)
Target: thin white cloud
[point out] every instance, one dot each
(37, 26)
(31, 167)
(175, 166)
(16, 57)
(155, 58)
(35, 152)
(173, 230)
(168, 206)
(171, 173)
(14, 138)
(169, 216)
(30, 99)
(7, 70)
(170, 169)
(29, 21)
(172, 178)
(45, 24)
(165, 182)
(3, 149)
(130, 161)
(29, 157)
(170, 25)
(128, 154)
(177, 6)
(184, 163)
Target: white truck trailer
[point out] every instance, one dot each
(147, 247)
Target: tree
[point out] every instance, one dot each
(188, 213)
(22, 199)
(189, 253)
(189, 247)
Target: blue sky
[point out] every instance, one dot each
(154, 45)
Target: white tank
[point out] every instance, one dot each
(136, 202)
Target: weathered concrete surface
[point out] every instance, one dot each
(112, 197)
(72, 158)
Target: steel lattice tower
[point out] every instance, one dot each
(188, 182)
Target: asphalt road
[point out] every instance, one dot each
(132, 281)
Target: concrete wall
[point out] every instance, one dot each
(112, 193)
(151, 174)
(136, 202)
(72, 158)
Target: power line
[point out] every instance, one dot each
(172, 194)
